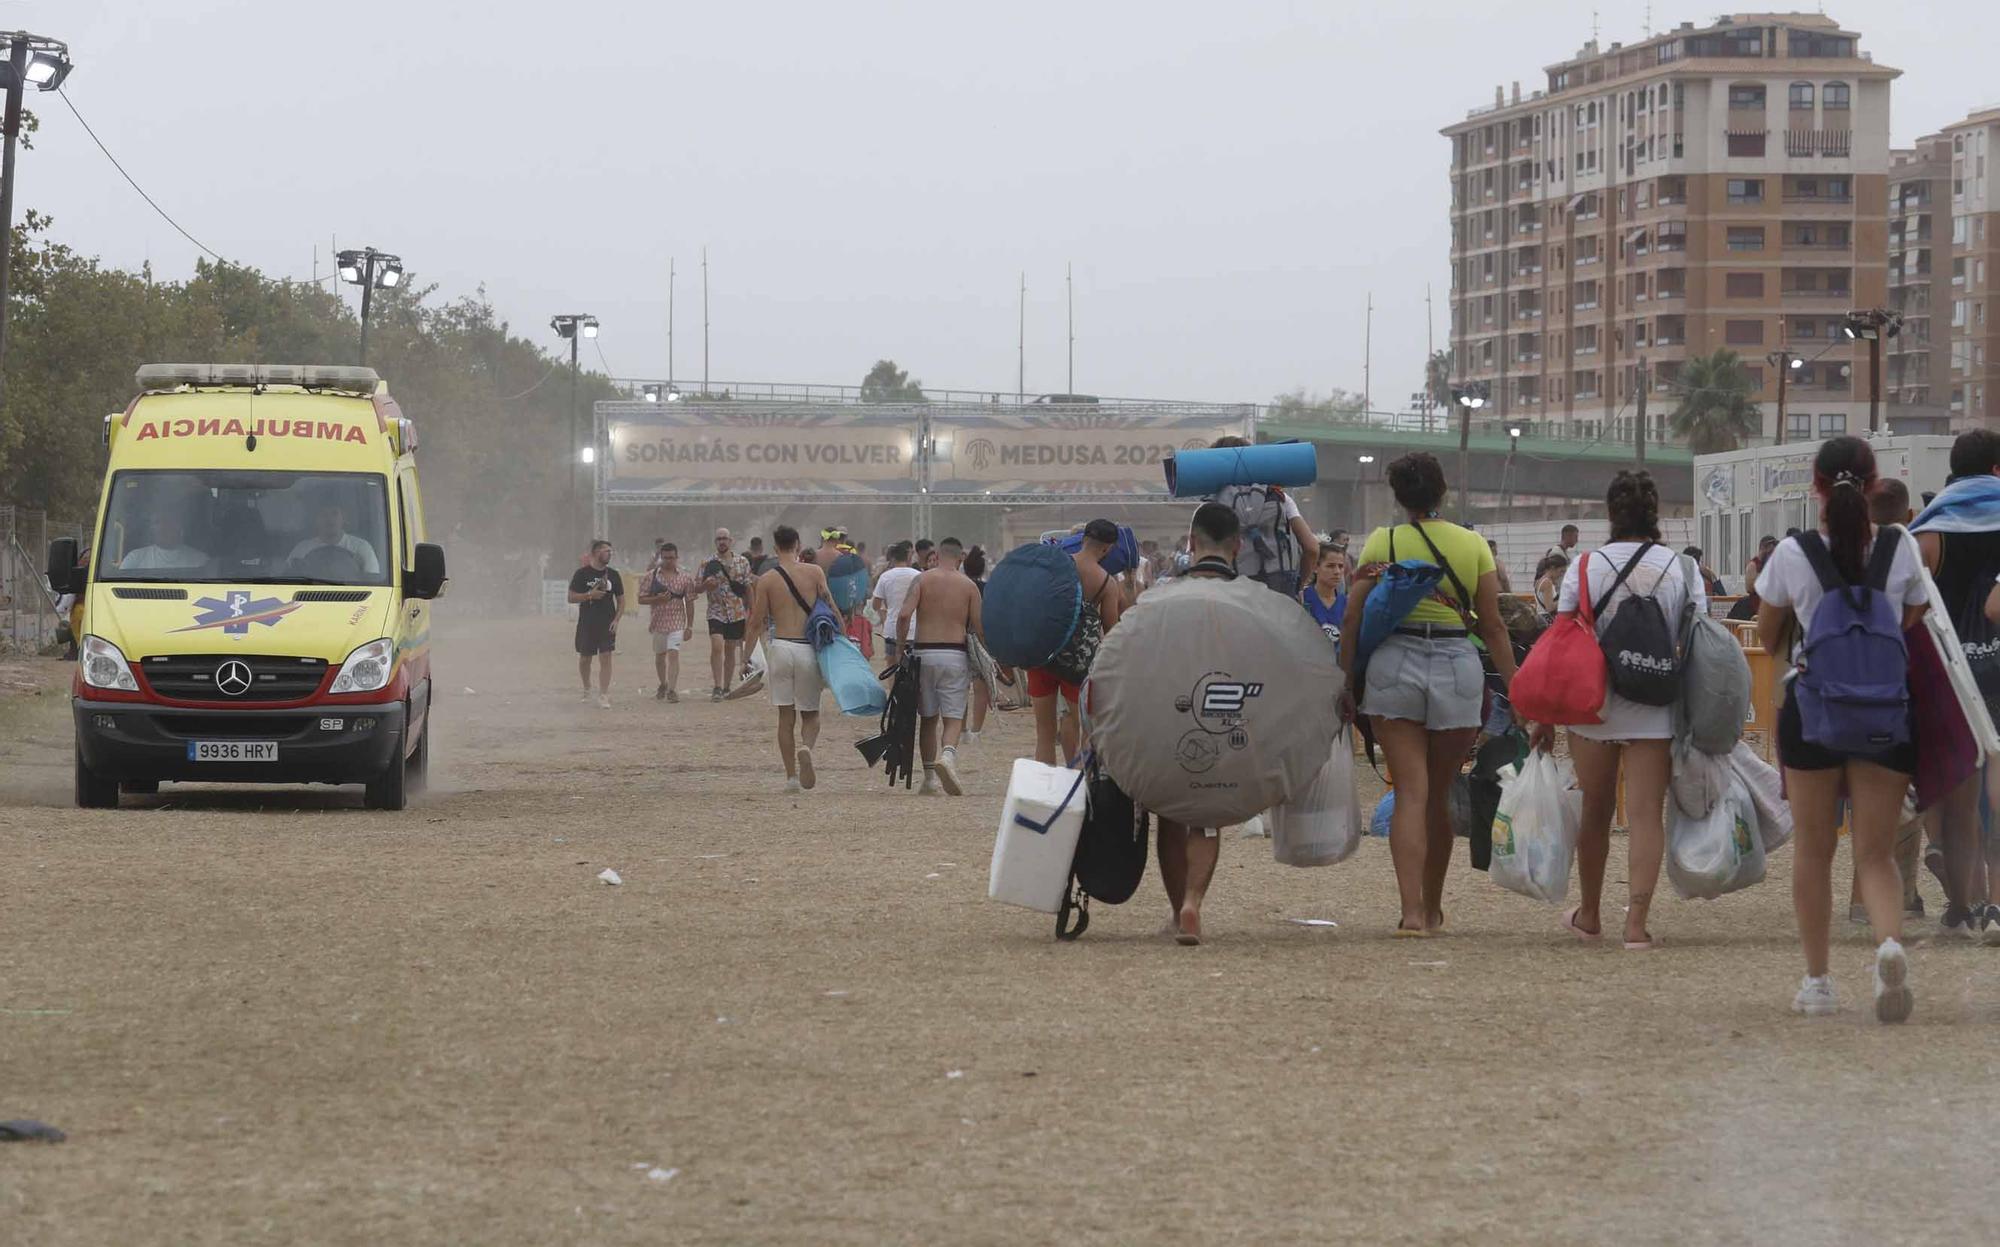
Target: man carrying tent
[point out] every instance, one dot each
(783, 597)
(938, 614)
(1063, 675)
(1276, 541)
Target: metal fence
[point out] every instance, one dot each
(27, 609)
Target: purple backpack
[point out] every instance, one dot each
(1853, 685)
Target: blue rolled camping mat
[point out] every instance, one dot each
(1198, 473)
(1123, 554)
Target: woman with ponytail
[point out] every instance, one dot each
(1816, 775)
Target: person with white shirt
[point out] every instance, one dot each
(1633, 738)
(1816, 777)
(169, 549)
(330, 532)
(891, 587)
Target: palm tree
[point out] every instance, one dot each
(1716, 411)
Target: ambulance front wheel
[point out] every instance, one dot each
(93, 791)
(391, 789)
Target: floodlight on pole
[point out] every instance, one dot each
(1364, 460)
(371, 270)
(31, 61)
(1872, 325)
(573, 327)
(650, 393)
(1469, 397)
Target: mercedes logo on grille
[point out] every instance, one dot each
(233, 678)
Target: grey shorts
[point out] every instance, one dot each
(1435, 682)
(944, 679)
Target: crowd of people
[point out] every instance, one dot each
(1426, 688)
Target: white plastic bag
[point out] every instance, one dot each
(1535, 830)
(1698, 780)
(1767, 794)
(1718, 852)
(1320, 825)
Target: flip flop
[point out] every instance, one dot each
(1650, 944)
(1569, 924)
(1409, 933)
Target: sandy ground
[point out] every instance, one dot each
(274, 1017)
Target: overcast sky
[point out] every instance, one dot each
(870, 179)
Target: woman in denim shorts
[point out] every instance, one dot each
(1424, 683)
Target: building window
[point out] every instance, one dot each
(1750, 144)
(1745, 285)
(1743, 332)
(1746, 190)
(1746, 238)
(1747, 96)
(1805, 328)
(1837, 188)
(1832, 426)
(1802, 96)
(1798, 428)
(1835, 96)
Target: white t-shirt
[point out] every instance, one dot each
(155, 557)
(1789, 580)
(1625, 719)
(354, 545)
(892, 588)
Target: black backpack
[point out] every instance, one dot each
(1639, 652)
(1110, 854)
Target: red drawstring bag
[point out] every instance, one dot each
(1562, 680)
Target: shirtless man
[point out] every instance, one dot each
(792, 666)
(1101, 601)
(1188, 854)
(943, 606)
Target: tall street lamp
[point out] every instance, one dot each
(41, 63)
(1468, 397)
(574, 327)
(1871, 325)
(368, 269)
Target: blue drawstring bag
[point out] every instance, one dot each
(853, 683)
(848, 579)
(1032, 603)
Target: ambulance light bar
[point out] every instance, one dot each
(339, 378)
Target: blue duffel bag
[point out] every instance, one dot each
(1033, 601)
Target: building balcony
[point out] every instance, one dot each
(1833, 143)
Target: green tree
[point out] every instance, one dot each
(1299, 407)
(886, 383)
(1437, 379)
(1716, 411)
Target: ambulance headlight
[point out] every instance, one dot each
(104, 666)
(367, 668)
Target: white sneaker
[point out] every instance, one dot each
(968, 737)
(1815, 998)
(929, 788)
(792, 785)
(1254, 829)
(947, 773)
(604, 701)
(585, 699)
(1893, 998)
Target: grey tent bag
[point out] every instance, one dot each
(1213, 700)
(1715, 678)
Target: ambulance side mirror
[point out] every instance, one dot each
(426, 579)
(64, 575)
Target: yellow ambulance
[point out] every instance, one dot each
(257, 595)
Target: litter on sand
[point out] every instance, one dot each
(610, 876)
(1312, 922)
(25, 1131)
(836, 994)
(1429, 964)
(934, 875)
(657, 1174)
(954, 1073)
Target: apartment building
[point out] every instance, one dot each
(1917, 362)
(1721, 185)
(1973, 396)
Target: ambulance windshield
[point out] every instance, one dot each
(225, 527)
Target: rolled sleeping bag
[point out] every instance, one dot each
(1213, 700)
(1033, 600)
(1199, 473)
(1123, 555)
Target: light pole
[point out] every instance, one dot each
(1514, 432)
(42, 63)
(574, 327)
(1365, 462)
(1872, 325)
(1469, 397)
(368, 269)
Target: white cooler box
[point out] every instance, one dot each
(1032, 858)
